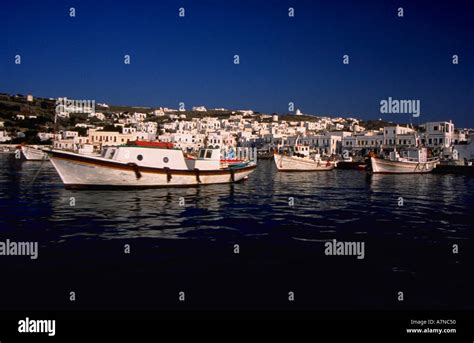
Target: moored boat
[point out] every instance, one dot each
(144, 165)
(412, 161)
(33, 153)
(299, 160)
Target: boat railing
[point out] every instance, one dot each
(414, 159)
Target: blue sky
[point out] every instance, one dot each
(282, 59)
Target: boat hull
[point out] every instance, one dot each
(32, 154)
(290, 163)
(78, 171)
(381, 166)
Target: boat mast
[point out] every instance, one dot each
(395, 145)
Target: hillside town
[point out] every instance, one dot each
(97, 125)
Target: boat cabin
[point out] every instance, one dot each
(209, 154)
(301, 150)
(410, 154)
(163, 157)
(147, 157)
(207, 159)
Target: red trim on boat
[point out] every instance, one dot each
(164, 145)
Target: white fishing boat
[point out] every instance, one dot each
(412, 160)
(145, 164)
(299, 160)
(33, 153)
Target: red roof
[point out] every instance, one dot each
(164, 145)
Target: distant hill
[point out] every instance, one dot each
(292, 117)
(11, 105)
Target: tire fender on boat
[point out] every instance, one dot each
(197, 175)
(138, 175)
(168, 174)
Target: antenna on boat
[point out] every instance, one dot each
(395, 143)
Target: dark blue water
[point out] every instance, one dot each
(190, 248)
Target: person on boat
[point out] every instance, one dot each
(231, 153)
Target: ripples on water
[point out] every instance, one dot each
(413, 240)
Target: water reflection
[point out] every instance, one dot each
(301, 205)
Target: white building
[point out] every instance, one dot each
(109, 138)
(327, 144)
(129, 130)
(199, 109)
(438, 134)
(159, 112)
(138, 116)
(87, 126)
(98, 115)
(371, 139)
(149, 126)
(184, 141)
(44, 136)
(69, 134)
(214, 139)
(246, 112)
(465, 151)
(315, 125)
(144, 136)
(397, 135)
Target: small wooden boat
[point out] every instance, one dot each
(299, 160)
(412, 161)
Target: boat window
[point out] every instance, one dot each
(201, 153)
(139, 157)
(208, 153)
(166, 159)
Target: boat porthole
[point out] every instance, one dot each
(165, 159)
(139, 157)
